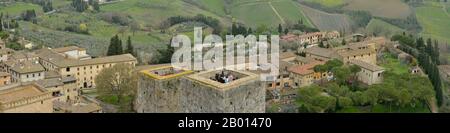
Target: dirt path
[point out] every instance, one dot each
(276, 12)
(433, 106)
(444, 7)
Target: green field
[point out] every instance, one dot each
(392, 64)
(269, 13)
(328, 3)
(290, 11)
(326, 21)
(382, 28)
(248, 14)
(60, 3)
(19, 7)
(383, 108)
(381, 8)
(435, 22)
(153, 12)
(216, 6)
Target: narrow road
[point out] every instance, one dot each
(433, 106)
(444, 7)
(276, 12)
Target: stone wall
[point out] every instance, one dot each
(43, 106)
(184, 95)
(157, 96)
(198, 97)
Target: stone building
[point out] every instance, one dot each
(225, 91)
(5, 78)
(25, 98)
(73, 62)
(63, 89)
(310, 38)
(159, 89)
(367, 55)
(321, 54)
(164, 89)
(304, 75)
(25, 71)
(4, 53)
(369, 74)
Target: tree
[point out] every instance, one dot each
(83, 28)
(130, 48)
(372, 95)
(134, 26)
(115, 46)
(80, 5)
(321, 44)
(166, 55)
(436, 53)
(320, 69)
(47, 6)
(29, 15)
(355, 69)
(234, 29)
(250, 31)
(341, 74)
(343, 42)
(334, 63)
(96, 6)
(118, 81)
(1, 23)
(311, 99)
(286, 31)
(280, 29)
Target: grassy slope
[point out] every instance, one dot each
(216, 6)
(394, 65)
(326, 21)
(19, 7)
(252, 14)
(59, 3)
(255, 13)
(375, 25)
(290, 11)
(153, 12)
(435, 22)
(381, 8)
(328, 3)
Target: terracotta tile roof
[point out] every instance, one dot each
(305, 69)
(68, 48)
(17, 92)
(60, 61)
(4, 74)
(6, 51)
(285, 55)
(357, 52)
(304, 60)
(50, 82)
(27, 67)
(366, 65)
(324, 52)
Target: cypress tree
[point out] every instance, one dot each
(115, 46)
(436, 53)
(1, 24)
(130, 48)
(250, 31)
(280, 29)
(96, 6)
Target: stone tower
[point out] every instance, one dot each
(205, 92)
(159, 90)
